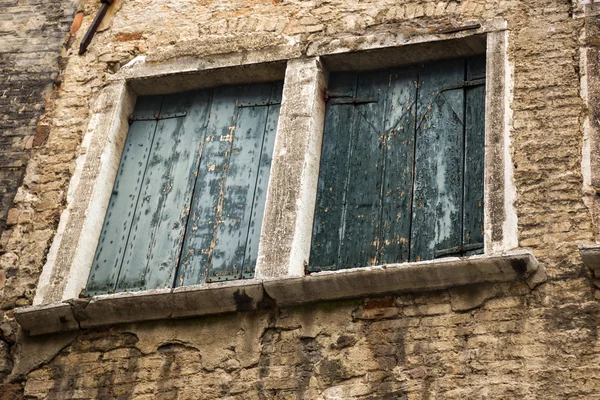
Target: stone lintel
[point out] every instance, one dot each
(247, 295)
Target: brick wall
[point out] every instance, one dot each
(521, 343)
(32, 34)
(31, 37)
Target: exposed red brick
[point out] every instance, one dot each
(76, 23)
(126, 37)
(11, 392)
(379, 303)
(41, 135)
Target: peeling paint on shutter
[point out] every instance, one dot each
(401, 173)
(398, 174)
(158, 224)
(333, 174)
(189, 197)
(224, 209)
(437, 201)
(126, 190)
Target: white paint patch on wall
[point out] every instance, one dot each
(586, 150)
(510, 227)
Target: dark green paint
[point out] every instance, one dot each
(360, 224)
(398, 173)
(437, 199)
(401, 173)
(333, 175)
(474, 155)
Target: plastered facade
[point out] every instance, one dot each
(496, 340)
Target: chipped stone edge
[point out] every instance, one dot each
(247, 295)
(590, 254)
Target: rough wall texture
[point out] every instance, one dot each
(31, 37)
(540, 343)
(32, 34)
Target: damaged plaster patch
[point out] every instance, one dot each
(138, 60)
(470, 297)
(208, 335)
(32, 352)
(510, 226)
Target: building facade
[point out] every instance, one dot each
(424, 231)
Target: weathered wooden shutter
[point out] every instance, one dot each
(188, 201)
(401, 173)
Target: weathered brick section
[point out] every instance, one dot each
(31, 36)
(407, 347)
(522, 343)
(32, 33)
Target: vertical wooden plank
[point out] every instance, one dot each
(474, 167)
(158, 224)
(232, 234)
(207, 203)
(398, 177)
(126, 190)
(437, 204)
(186, 142)
(333, 175)
(360, 235)
(262, 181)
(476, 67)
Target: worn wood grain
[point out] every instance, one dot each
(396, 193)
(437, 201)
(239, 187)
(414, 193)
(262, 181)
(333, 175)
(122, 206)
(474, 167)
(360, 229)
(207, 203)
(159, 222)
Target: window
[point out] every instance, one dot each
(402, 166)
(188, 201)
(289, 240)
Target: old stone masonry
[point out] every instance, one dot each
(300, 199)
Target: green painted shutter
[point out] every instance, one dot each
(188, 201)
(401, 173)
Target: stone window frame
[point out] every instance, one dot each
(590, 162)
(287, 226)
(585, 8)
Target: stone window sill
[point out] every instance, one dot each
(247, 295)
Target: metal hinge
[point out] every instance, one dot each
(156, 116)
(458, 250)
(464, 84)
(262, 103)
(345, 98)
(223, 278)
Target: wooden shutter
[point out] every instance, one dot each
(188, 201)
(401, 173)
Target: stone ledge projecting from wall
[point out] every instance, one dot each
(234, 296)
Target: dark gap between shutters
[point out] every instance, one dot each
(188, 201)
(401, 176)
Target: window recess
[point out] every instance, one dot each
(402, 166)
(188, 201)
